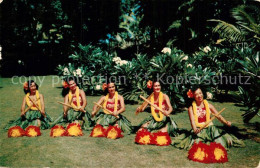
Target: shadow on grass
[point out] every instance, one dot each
(225, 98)
(250, 131)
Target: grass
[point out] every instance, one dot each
(85, 151)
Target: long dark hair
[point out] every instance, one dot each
(29, 83)
(65, 91)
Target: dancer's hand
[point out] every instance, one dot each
(228, 123)
(197, 130)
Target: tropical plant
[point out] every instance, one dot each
(91, 65)
(250, 91)
(246, 27)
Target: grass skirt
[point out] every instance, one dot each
(106, 119)
(207, 135)
(154, 126)
(75, 116)
(30, 118)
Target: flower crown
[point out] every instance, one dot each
(104, 86)
(65, 84)
(25, 85)
(149, 84)
(190, 94)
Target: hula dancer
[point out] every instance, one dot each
(113, 105)
(35, 113)
(73, 106)
(154, 123)
(199, 113)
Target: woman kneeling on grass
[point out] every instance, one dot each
(113, 105)
(199, 113)
(154, 126)
(73, 107)
(35, 113)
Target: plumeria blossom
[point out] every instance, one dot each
(66, 71)
(78, 72)
(120, 62)
(117, 60)
(206, 49)
(189, 65)
(123, 62)
(166, 50)
(98, 87)
(185, 58)
(209, 95)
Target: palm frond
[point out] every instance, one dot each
(229, 31)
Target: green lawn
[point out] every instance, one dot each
(85, 151)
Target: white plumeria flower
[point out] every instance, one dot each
(206, 49)
(74, 73)
(98, 87)
(116, 59)
(209, 95)
(123, 62)
(66, 71)
(78, 71)
(189, 65)
(185, 58)
(166, 50)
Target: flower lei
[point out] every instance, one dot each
(106, 99)
(194, 107)
(77, 96)
(155, 116)
(29, 103)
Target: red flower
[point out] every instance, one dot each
(218, 153)
(74, 129)
(16, 131)
(104, 86)
(190, 94)
(161, 139)
(65, 84)
(149, 84)
(98, 131)
(113, 132)
(144, 137)
(32, 131)
(25, 85)
(199, 153)
(57, 131)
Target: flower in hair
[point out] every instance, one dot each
(25, 85)
(149, 84)
(104, 86)
(190, 94)
(65, 84)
